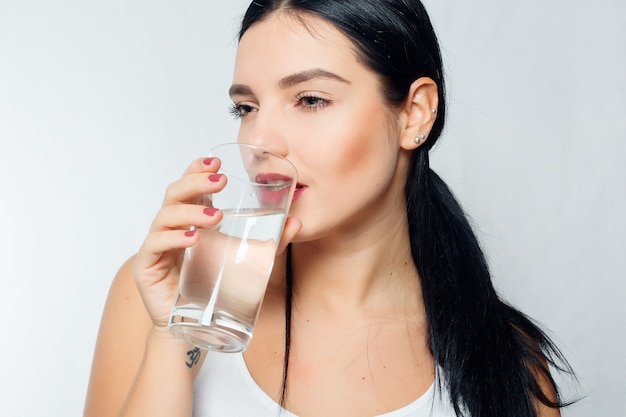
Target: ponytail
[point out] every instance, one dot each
(490, 355)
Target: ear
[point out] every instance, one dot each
(418, 113)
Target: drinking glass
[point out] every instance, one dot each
(224, 276)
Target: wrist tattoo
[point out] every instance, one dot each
(194, 357)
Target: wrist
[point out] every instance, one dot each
(161, 336)
(182, 354)
(164, 382)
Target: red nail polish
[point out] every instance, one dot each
(215, 177)
(209, 211)
(207, 161)
(190, 233)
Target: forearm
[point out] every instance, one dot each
(164, 382)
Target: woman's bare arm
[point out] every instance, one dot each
(136, 368)
(119, 348)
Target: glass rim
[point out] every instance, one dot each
(257, 147)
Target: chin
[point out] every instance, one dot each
(310, 233)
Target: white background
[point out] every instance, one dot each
(102, 104)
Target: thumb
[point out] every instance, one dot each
(291, 229)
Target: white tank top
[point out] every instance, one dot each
(225, 388)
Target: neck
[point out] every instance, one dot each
(368, 271)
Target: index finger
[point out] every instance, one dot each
(206, 164)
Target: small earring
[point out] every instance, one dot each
(420, 138)
(434, 111)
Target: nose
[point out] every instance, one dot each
(266, 129)
(267, 167)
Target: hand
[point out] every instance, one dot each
(156, 268)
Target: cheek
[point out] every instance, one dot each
(358, 154)
(367, 149)
(353, 144)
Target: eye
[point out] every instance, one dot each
(240, 110)
(312, 102)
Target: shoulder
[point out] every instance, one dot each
(125, 318)
(123, 291)
(124, 304)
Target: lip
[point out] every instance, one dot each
(278, 187)
(299, 190)
(271, 177)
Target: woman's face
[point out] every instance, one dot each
(301, 91)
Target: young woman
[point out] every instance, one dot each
(380, 302)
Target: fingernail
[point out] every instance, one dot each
(207, 161)
(190, 233)
(215, 177)
(209, 211)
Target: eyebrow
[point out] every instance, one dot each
(307, 75)
(291, 80)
